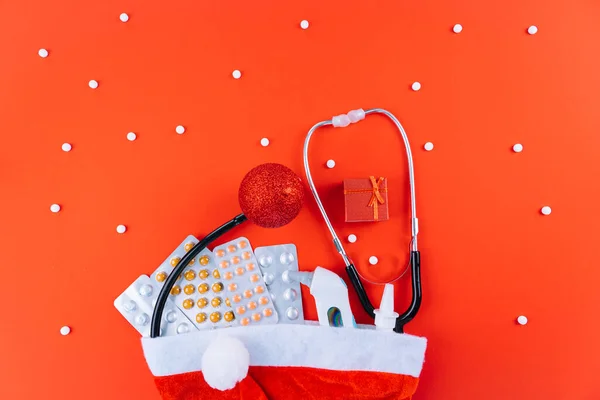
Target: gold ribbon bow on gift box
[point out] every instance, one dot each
(376, 197)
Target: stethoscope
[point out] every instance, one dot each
(341, 121)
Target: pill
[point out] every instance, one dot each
(204, 260)
(254, 278)
(352, 238)
(236, 298)
(216, 274)
(174, 261)
(268, 278)
(142, 319)
(65, 330)
(43, 53)
(330, 164)
(200, 317)
(202, 302)
(188, 303)
(161, 276)
(263, 300)
(256, 317)
(532, 30)
(267, 312)
(93, 84)
(183, 328)
(286, 258)
(231, 248)
(250, 267)
(55, 208)
(188, 247)
(232, 287)
(252, 305)
(240, 310)
(227, 302)
(235, 260)
(203, 273)
(145, 290)
(290, 294)
(239, 271)
(228, 316)
(189, 289)
(129, 306)
(131, 136)
(228, 276)
(121, 228)
(220, 253)
(428, 146)
(265, 261)
(259, 289)
(522, 320)
(170, 316)
(179, 129)
(248, 293)
(189, 275)
(373, 260)
(304, 24)
(517, 148)
(66, 147)
(175, 290)
(217, 287)
(192, 261)
(124, 17)
(216, 302)
(244, 322)
(416, 86)
(224, 264)
(203, 288)
(242, 244)
(546, 210)
(246, 255)
(236, 74)
(264, 142)
(215, 317)
(292, 313)
(457, 28)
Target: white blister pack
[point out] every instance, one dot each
(243, 281)
(136, 304)
(274, 261)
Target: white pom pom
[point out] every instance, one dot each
(225, 363)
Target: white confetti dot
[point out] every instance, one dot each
(121, 228)
(522, 320)
(180, 129)
(66, 147)
(264, 142)
(428, 146)
(330, 163)
(352, 238)
(373, 260)
(457, 28)
(236, 74)
(124, 17)
(546, 210)
(416, 86)
(43, 53)
(304, 24)
(517, 148)
(65, 330)
(55, 208)
(532, 30)
(93, 84)
(131, 136)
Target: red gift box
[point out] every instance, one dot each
(366, 199)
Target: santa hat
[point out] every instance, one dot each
(286, 362)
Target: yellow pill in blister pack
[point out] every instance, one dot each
(202, 302)
(231, 248)
(161, 276)
(227, 302)
(216, 274)
(204, 260)
(228, 316)
(200, 317)
(175, 290)
(215, 317)
(220, 253)
(216, 302)
(235, 260)
(250, 267)
(189, 289)
(189, 275)
(243, 244)
(254, 278)
(192, 261)
(188, 246)
(203, 288)
(217, 287)
(174, 261)
(188, 303)
(246, 255)
(267, 312)
(203, 273)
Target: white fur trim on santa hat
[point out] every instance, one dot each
(225, 362)
(313, 346)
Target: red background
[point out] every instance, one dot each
(488, 255)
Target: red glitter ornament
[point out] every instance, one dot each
(271, 195)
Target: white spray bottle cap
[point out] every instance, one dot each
(385, 317)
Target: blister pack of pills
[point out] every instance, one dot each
(274, 261)
(136, 304)
(160, 274)
(243, 280)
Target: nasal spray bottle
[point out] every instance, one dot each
(385, 317)
(330, 293)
